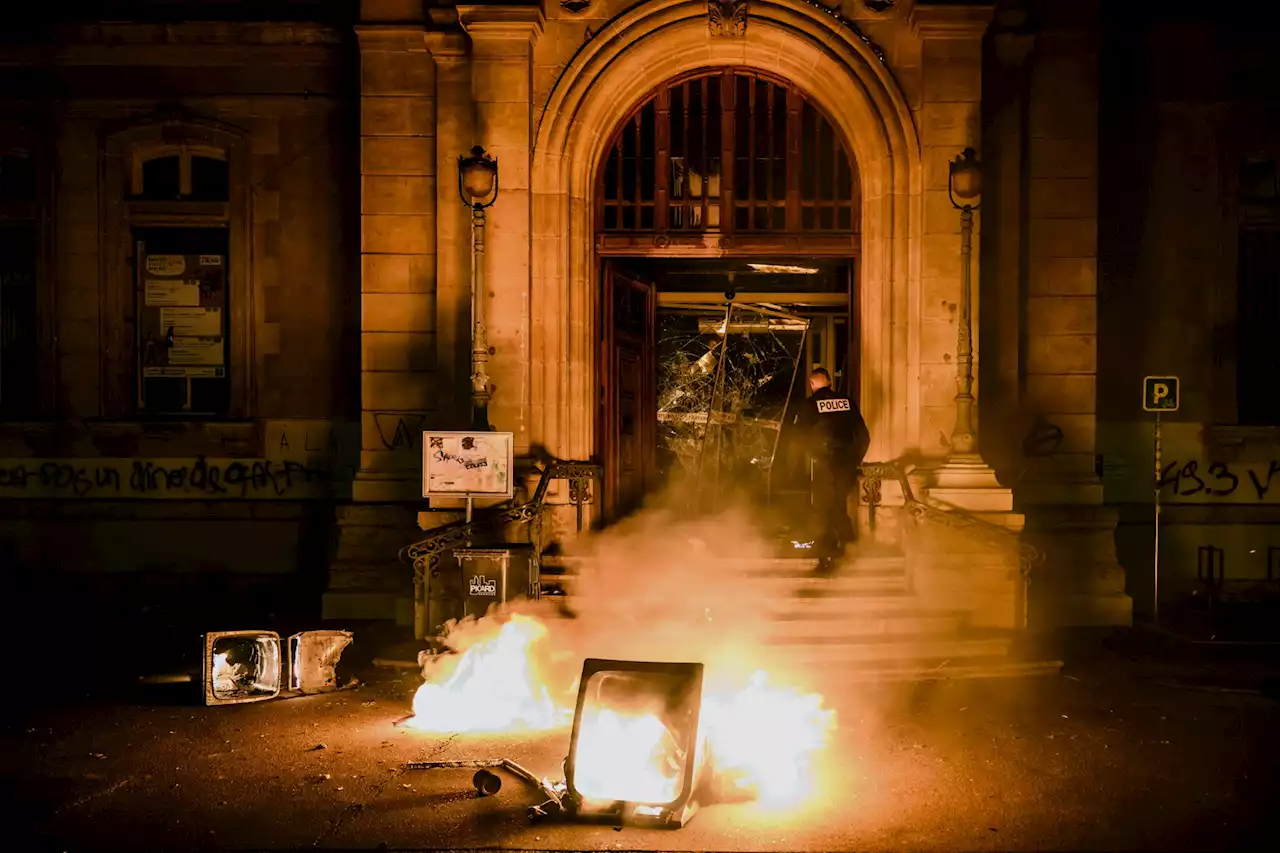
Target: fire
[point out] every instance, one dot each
(627, 758)
(762, 739)
(759, 739)
(494, 687)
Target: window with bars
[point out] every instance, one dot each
(728, 151)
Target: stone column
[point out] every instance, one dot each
(502, 39)
(950, 121)
(955, 568)
(1082, 584)
(397, 254)
(454, 137)
(397, 308)
(1004, 118)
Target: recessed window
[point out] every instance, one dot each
(181, 321)
(180, 173)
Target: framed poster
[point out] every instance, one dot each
(468, 464)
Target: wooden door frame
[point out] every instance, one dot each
(602, 310)
(608, 407)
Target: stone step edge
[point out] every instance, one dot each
(883, 649)
(890, 559)
(858, 672)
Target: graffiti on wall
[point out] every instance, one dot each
(198, 479)
(297, 460)
(1216, 479)
(1199, 464)
(400, 431)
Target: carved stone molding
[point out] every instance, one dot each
(968, 21)
(575, 6)
(727, 18)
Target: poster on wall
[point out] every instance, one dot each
(468, 464)
(182, 318)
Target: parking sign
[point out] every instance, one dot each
(1160, 394)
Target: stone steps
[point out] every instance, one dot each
(862, 621)
(780, 577)
(915, 650)
(904, 624)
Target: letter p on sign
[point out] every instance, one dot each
(1160, 394)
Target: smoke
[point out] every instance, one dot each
(659, 586)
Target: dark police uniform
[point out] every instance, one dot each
(836, 438)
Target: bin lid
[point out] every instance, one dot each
(492, 553)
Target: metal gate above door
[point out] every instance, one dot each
(727, 379)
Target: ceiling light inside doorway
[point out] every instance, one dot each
(783, 269)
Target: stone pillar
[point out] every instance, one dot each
(1004, 116)
(397, 309)
(950, 121)
(951, 566)
(454, 138)
(1061, 493)
(502, 39)
(397, 254)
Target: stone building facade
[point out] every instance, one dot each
(319, 143)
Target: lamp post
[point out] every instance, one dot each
(478, 188)
(965, 188)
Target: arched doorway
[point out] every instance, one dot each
(656, 41)
(727, 221)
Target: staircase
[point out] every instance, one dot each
(863, 619)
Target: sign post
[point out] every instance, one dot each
(1159, 395)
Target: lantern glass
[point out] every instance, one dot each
(479, 172)
(966, 180)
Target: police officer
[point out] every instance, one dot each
(835, 436)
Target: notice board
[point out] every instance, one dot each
(468, 464)
(182, 318)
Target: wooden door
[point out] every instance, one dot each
(628, 416)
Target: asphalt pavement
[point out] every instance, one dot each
(1105, 756)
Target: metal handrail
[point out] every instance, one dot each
(875, 473)
(583, 477)
(425, 554)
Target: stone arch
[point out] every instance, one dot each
(625, 60)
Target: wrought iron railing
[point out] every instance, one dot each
(425, 554)
(875, 473)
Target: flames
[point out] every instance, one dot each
(759, 738)
(494, 687)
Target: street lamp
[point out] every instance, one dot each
(965, 188)
(478, 188)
